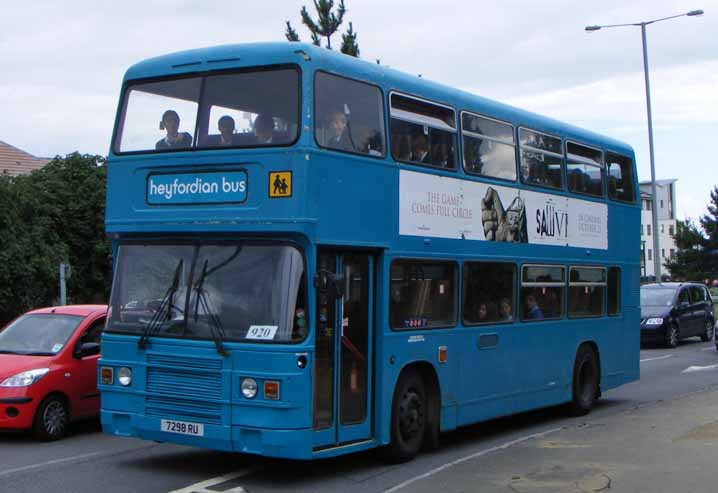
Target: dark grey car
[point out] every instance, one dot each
(671, 311)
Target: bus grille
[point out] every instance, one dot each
(183, 388)
(184, 410)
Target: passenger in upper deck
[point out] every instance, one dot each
(264, 129)
(338, 132)
(420, 150)
(175, 139)
(226, 131)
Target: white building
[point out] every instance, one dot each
(666, 194)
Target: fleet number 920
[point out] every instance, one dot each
(183, 427)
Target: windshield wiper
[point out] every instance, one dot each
(165, 306)
(203, 301)
(7, 351)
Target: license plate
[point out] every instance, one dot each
(183, 427)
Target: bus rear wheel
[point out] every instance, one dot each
(408, 418)
(585, 382)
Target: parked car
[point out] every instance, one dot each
(671, 311)
(48, 369)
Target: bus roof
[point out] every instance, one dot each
(227, 57)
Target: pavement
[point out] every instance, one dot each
(666, 446)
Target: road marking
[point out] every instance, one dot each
(469, 457)
(50, 463)
(692, 369)
(106, 453)
(709, 349)
(659, 357)
(202, 487)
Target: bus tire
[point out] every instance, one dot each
(408, 418)
(585, 387)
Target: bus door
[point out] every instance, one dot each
(343, 363)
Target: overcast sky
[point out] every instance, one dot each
(63, 61)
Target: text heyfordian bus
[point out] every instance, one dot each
(316, 255)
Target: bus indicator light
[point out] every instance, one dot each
(443, 354)
(107, 375)
(271, 390)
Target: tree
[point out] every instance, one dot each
(326, 25)
(55, 214)
(349, 42)
(686, 264)
(697, 256)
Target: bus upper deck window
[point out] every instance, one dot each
(541, 159)
(349, 115)
(423, 132)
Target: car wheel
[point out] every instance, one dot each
(51, 419)
(585, 382)
(672, 336)
(408, 418)
(708, 333)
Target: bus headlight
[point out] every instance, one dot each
(124, 376)
(249, 388)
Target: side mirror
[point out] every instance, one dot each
(86, 349)
(329, 284)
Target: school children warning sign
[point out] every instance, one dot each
(280, 184)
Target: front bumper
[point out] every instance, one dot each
(291, 444)
(654, 333)
(17, 410)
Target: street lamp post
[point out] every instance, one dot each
(654, 206)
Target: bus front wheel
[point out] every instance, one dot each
(585, 382)
(408, 418)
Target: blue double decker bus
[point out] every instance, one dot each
(316, 255)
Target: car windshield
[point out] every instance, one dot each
(252, 292)
(38, 334)
(657, 296)
(255, 108)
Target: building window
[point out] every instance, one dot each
(488, 292)
(648, 229)
(641, 229)
(648, 205)
(586, 289)
(661, 203)
(671, 231)
(672, 252)
(663, 253)
(423, 294)
(542, 292)
(650, 254)
(663, 228)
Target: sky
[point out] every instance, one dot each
(63, 62)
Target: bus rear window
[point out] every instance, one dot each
(230, 110)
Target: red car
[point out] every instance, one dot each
(48, 369)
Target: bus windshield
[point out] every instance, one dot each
(229, 110)
(251, 292)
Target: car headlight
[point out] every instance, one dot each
(25, 378)
(249, 388)
(654, 321)
(124, 376)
